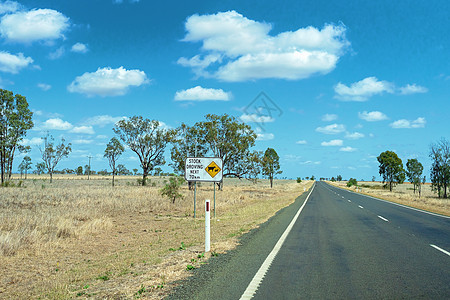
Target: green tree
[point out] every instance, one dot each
(271, 164)
(391, 168)
(79, 170)
(339, 178)
(25, 165)
(254, 165)
(40, 168)
(230, 139)
(147, 139)
(299, 180)
(122, 170)
(113, 151)
(414, 171)
(172, 189)
(352, 181)
(15, 120)
(313, 178)
(52, 154)
(440, 167)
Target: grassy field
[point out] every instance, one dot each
(403, 194)
(76, 238)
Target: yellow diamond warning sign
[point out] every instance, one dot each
(212, 169)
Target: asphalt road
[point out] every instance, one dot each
(342, 246)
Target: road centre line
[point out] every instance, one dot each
(360, 206)
(384, 219)
(440, 249)
(259, 276)
(349, 200)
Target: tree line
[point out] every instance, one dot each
(392, 170)
(221, 136)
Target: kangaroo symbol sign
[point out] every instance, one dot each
(203, 169)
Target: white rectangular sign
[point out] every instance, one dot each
(203, 169)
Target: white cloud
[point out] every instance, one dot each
(301, 142)
(255, 118)
(58, 53)
(199, 93)
(102, 120)
(403, 123)
(333, 143)
(107, 82)
(79, 48)
(354, 135)
(329, 117)
(11, 63)
(56, 124)
(32, 142)
(372, 116)
(331, 129)
(348, 149)
(248, 52)
(83, 129)
(33, 25)
(264, 136)
(102, 136)
(412, 89)
(310, 162)
(9, 6)
(362, 90)
(44, 86)
(82, 142)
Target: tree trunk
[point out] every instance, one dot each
(271, 182)
(51, 177)
(113, 179)
(144, 176)
(390, 186)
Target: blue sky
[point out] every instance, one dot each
(349, 79)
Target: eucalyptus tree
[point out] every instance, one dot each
(113, 151)
(52, 154)
(25, 165)
(391, 168)
(440, 167)
(147, 138)
(15, 120)
(271, 164)
(414, 171)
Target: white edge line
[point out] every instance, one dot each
(384, 219)
(412, 208)
(360, 206)
(257, 279)
(440, 249)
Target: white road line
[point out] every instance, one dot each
(440, 249)
(343, 197)
(349, 200)
(257, 279)
(360, 206)
(384, 219)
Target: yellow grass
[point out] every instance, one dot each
(83, 238)
(403, 194)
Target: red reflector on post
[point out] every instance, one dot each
(207, 206)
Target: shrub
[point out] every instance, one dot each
(352, 181)
(299, 180)
(171, 189)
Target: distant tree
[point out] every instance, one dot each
(15, 121)
(122, 170)
(25, 165)
(113, 151)
(307, 178)
(333, 179)
(373, 178)
(414, 172)
(339, 178)
(135, 172)
(313, 178)
(157, 171)
(391, 168)
(352, 181)
(52, 155)
(147, 138)
(40, 168)
(87, 170)
(79, 170)
(299, 180)
(440, 167)
(254, 165)
(271, 164)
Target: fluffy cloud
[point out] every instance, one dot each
(333, 143)
(372, 116)
(199, 93)
(82, 142)
(263, 136)
(11, 63)
(331, 129)
(58, 53)
(56, 124)
(354, 135)
(243, 50)
(79, 48)
(348, 149)
(83, 129)
(301, 142)
(362, 90)
(412, 89)
(8, 7)
(102, 120)
(107, 82)
(34, 25)
(44, 86)
(255, 118)
(403, 123)
(329, 117)
(32, 142)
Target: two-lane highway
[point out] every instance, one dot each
(340, 245)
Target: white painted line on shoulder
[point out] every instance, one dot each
(257, 279)
(384, 219)
(343, 197)
(349, 200)
(360, 206)
(440, 249)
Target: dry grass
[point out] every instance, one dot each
(79, 238)
(403, 194)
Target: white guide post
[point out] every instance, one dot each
(207, 226)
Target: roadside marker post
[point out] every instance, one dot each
(207, 227)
